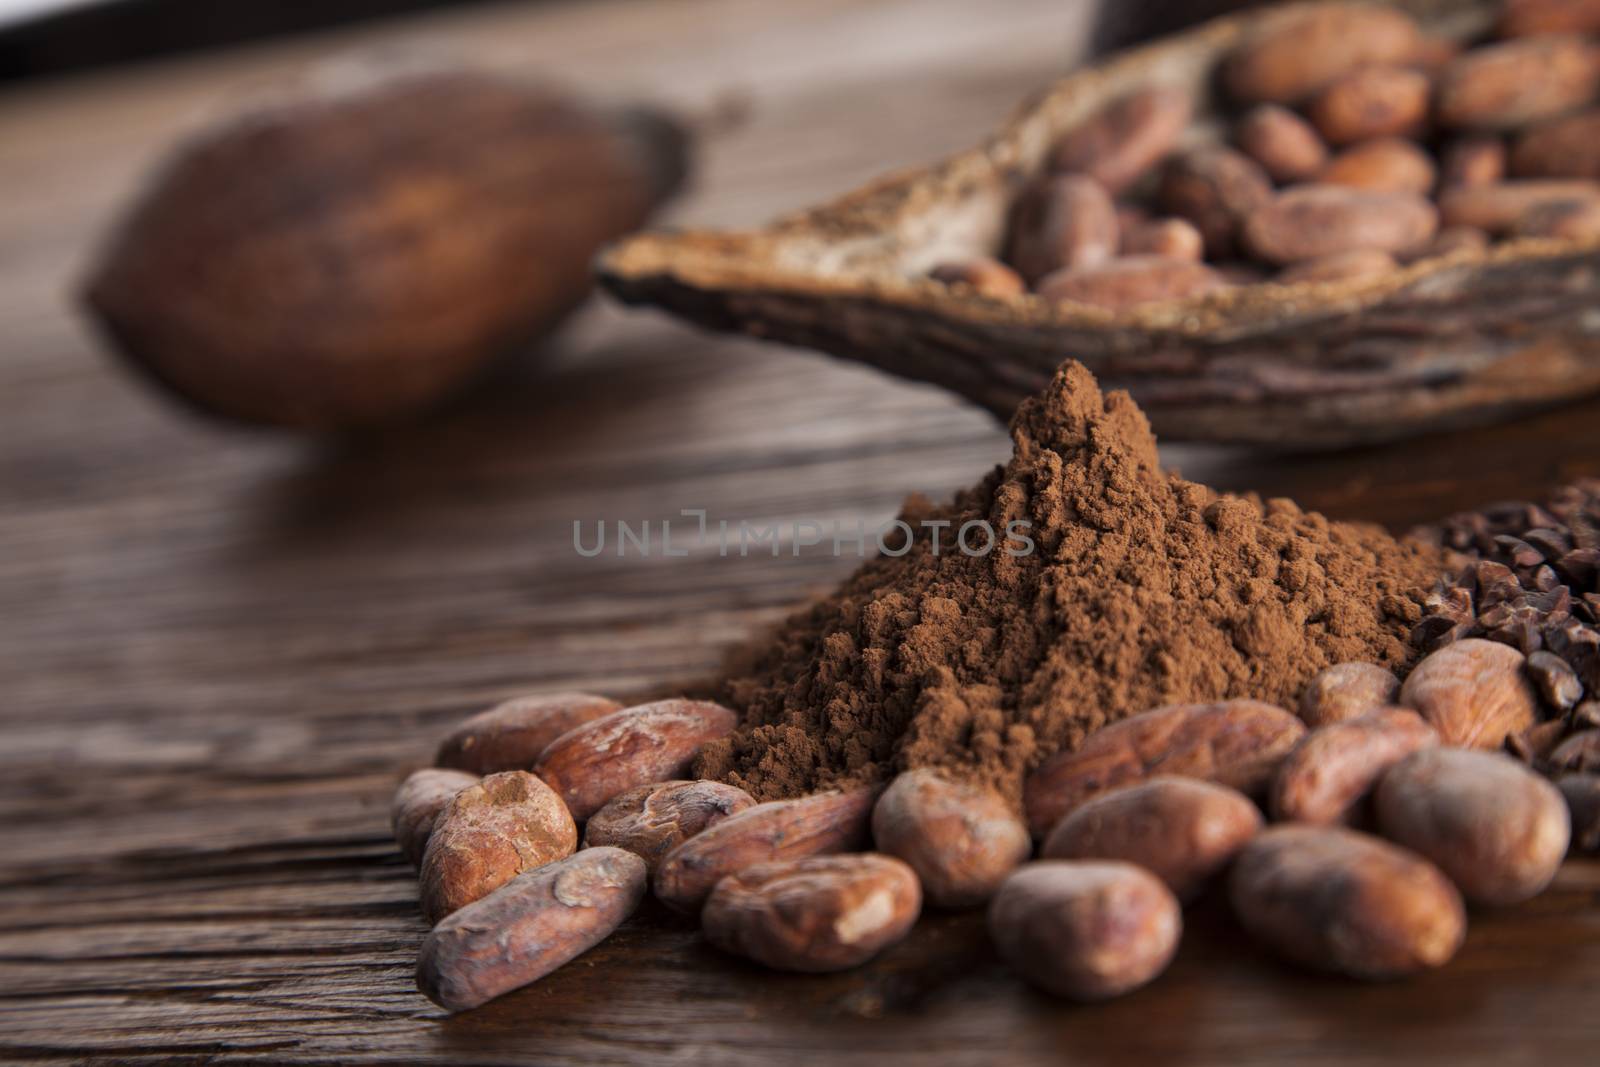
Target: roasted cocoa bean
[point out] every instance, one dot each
(1215, 188)
(510, 736)
(1496, 828)
(1473, 692)
(1566, 220)
(1125, 139)
(1165, 238)
(1526, 18)
(652, 820)
(1433, 52)
(984, 276)
(417, 804)
(1311, 221)
(1578, 754)
(1061, 222)
(1237, 743)
(1475, 160)
(529, 927)
(961, 838)
(813, 914)
(1385, 165)
(1291, 56)
(1182, 830)
(487, 835)
(1554, 679)
(1085, 931)
(1496, 208)
(1517, 82)
(1371, 102)
(1330, 772)
(589, 765)
(1346, 690)
(1286, 145)
(1336, 900)
(1565, 147)
(779, 829)
(1131, 281)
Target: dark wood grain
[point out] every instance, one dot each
(219, 651)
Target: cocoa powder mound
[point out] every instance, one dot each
(1142, 589)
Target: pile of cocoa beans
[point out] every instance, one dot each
(1361, 143)
(1395, 807)
(494, 829)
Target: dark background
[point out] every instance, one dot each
(137, 29)
(112, 33)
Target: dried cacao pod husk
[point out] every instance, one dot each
(353, 253)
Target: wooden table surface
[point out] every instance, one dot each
(219, 650)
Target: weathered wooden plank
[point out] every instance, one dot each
(219, 651)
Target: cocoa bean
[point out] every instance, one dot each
(813, 914)
(1371, 102)
(1125, 139)
(1215, 188)
(1565, 147)
(984, 276)
(591, 764)
(1473, 692)
(1340, 267)
(1165, 238)
(1578, 754)
(1555, 680)
(417, 804)
(1387, 164)
(1291, 56)
(779, 829)
(487, 835)
(1130, 282)
(1567, 220)
(1310, 221)
(1432, 53)
(1517, 82)
(1286, 145)
(1496, 208)
(1474, 160)
(1062, 221)
(1085, 931)
(961, 838)
(1337, 900)
(510, 736)
(1331, 771)
(1526, 18)
(652, 820)
(1182, 830)
(529, 927)
(1237, 743)
(1346, 690)
(1496, 828)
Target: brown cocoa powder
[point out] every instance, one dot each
(1143, 589)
